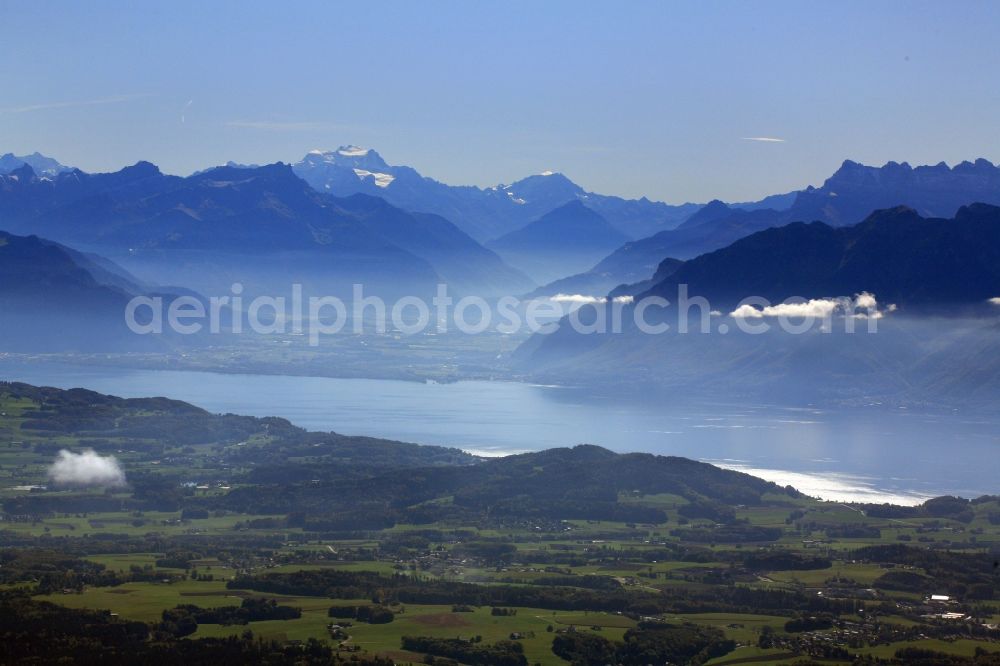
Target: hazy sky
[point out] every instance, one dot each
(658, 99)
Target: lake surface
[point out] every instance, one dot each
(866, 454)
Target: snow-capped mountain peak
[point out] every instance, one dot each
(482, 212)
(42, 165)
(348, 156)
(353, 151)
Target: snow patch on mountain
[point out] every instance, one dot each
(353, 151)
(381, 179)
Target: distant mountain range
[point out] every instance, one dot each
(483, 213)
(40, 164)
(562, 242)
(262, 226)
(347, 216)
(846, 198)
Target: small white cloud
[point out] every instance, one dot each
(995, 300)
(764, 139)
(746, 312)
(865, 300)
(86, 469)
(578, 298)
(584, 299)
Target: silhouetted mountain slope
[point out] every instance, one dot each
(35, 270)
(667, 268)
(263, 226)
(706, 234)
(614, 276)
(710, 212)
(561, 242)
(55, 298)
(773, 201)
(895, 254)
(483, 213)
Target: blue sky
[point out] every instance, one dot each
(655, 99)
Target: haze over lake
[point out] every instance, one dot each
(862, 454)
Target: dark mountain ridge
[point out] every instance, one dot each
(262, 226)
(852, 193)
(896, 254)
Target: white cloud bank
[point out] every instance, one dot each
(764, 139)
(862, 306)
(995, 300)
(86, 469)
(816, 308)
(583, 299)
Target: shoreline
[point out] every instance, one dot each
(844, 485)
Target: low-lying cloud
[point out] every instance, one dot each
(815, 308)
(86, 469)
(862, 306)
(584, 299)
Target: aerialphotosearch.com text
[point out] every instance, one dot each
(319, 316)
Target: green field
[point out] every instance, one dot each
(202, 512)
